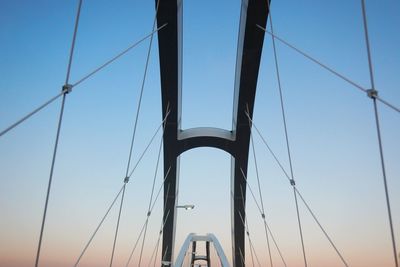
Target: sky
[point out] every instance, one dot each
(331, 128)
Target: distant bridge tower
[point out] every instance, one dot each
(194, 239)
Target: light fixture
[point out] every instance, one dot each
(186, 207)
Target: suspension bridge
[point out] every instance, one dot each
(154, 240)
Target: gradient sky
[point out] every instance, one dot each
(331, 129)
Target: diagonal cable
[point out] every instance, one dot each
(373, 94)
(141, 232)
(268, 147)
(148, 145)
(65, 90)
(98, 227)
(117, 226)
(150, 201)
(322, 228)
(123, 52)
(241, 257)
(326, 67)
(126, 179)
(252, 250)
(147, 218)
(166, 218)
(264, 219)
(298, 192)
(15, 124)
(163, 262)
(141, 93)
(246, 226)
(51, 100)
(261, 200)
(155, 250)
(259, 191)
(137, 163)
(278, 77)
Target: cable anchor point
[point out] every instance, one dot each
(126, 180)
(67, 88)
(292, 182)
(263, 215)
(372, 93)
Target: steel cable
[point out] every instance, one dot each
(373, 94)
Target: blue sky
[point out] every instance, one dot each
(331, 128)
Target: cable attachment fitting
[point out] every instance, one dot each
(148, 213)
(126, 180)
(263, 215)
(372, 93)
(67, 88)
(292, 182)
(247, 232)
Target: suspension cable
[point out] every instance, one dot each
(98, 227)
(163, 257)
(65, 91)
(372, 93)
(264, 219)
(49, 182)
(268, 147)
(12, 126)
(155, 250)
(165, 221)
(246, 226)
(298, 192)
(150, 202)
(126, 180)
(331, 70)
(122, 188)
(141, 231)
(123, 52)
(71, 53)
(250, 240)
(241, 257)
(251, 191)
(117, 226)
(148, 145)
(322, 228)
(141, 91)
(259, 191)
(278, 77)
(69, 89)
(135, 245)
(147, 217)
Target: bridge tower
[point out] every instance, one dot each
(236, 141)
